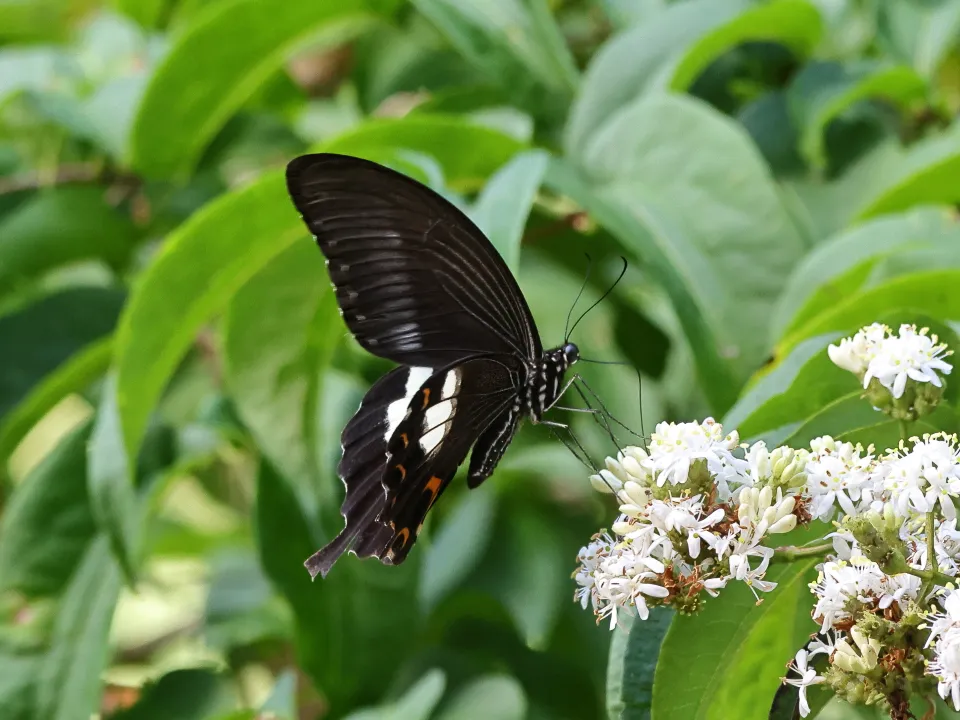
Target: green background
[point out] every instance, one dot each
(174, 375)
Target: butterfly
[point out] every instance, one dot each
(420, 285)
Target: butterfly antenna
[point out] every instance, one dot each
(643, 435)
(586, 279)
(602, 297)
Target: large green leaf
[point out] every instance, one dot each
(217, 63)
(68, 683)
(727, 661)
(279, 331)
(824, 90)
(493, 697)
(58, 227)
(846, 262)
(925, 174)
(47, 525)
(188, 694)
(73, 375)
(919, 33)
(634, 652)
(632, 61)
(17, 683)
(515, 44)
(39, 338)
(792, 23)
(454, 551)
(356, 623)
(931, 293)
(203, 264)
(644, 178)
(417, 703)
(504, 204)
(467, 152)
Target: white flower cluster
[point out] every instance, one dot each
(697, 509)
(945, 638)
(693, 516)
(875, 352)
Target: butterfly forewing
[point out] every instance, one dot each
(416, 280)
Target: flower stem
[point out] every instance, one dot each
(792, 552)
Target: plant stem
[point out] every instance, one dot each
(792, 552)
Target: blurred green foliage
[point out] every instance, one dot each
(174, 375)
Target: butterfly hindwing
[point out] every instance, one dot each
(444, 419)
(416, 280)
(364, 460)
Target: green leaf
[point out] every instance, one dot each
(278, 335)
(822, 91)
(925, 174)
(919, 33)
(190, 694)
(39, 338)
(727, 661)
(47, 526)
(634, 651)
(282, 702)
(356, 623)
(146, 12)
(217, 63)
(504, 204)
(110, 480)
(17, 684)
(798, 386)
(33, 20)
(515, 43)
(204, 263)
(416, 704)
(61, 226)
(842, 264)
(767, 120)
(492, 697)
(930, 293)
(793, 23)
(457, 547)
(531, 573)
(639, 59)
(73, 375)
(467, 152)
(68, 682)
(644, 175)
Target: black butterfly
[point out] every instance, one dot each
(419, 284)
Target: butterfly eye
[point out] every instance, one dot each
(571, 352)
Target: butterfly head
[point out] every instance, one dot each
(571, 353)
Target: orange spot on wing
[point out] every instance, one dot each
(426, 397)
(403, 536)
(406, 441)
(434, 487)
(403, 471)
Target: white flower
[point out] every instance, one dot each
(855, 353)
(674, 447)
(911, 355)
(627, 467)
(945, 666)
(758, 510)
(915, 481)
(808, 677)
(860, 659)
(945, 637)
(841, 585)
(899, 589)
(837, 474)
(948, 620)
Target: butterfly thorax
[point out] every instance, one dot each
(545, 379)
